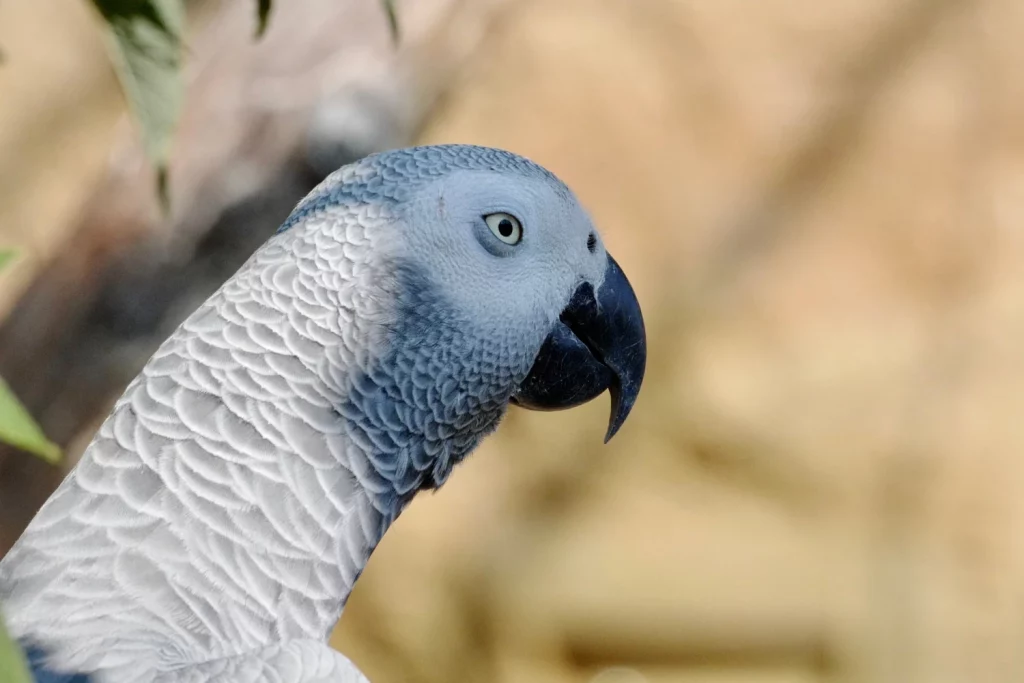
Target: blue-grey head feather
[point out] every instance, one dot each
(389, 177)
(427, 403)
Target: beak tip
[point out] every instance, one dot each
(622, 406)
(612, 430)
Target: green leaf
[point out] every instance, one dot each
(6, 256)
(145, 38)
(262, 14)
(13, 668)
(18, 429)
(389, 7)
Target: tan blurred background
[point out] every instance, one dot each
(820, 206)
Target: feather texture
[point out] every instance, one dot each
(184, 534)
(217, 522)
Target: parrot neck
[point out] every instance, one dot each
(236, 492)
(224, 505)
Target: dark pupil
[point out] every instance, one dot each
(505, 227)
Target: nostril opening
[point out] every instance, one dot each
(592, 243)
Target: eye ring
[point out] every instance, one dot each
(505, 227)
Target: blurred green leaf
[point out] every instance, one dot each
(389, 7)
(263, 13)
(18, 429)
(145, 39)
(13, 668)
(6, 256)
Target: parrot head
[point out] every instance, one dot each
(503, 293)
(517, 256)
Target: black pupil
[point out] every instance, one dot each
(505, 227)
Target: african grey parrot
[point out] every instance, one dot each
(216, 524)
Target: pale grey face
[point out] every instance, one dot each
(506, 250)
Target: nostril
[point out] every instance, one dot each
(592, 243)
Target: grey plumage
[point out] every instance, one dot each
(216, 524)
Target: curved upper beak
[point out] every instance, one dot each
(597, 343)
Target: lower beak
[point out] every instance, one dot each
(597, 343)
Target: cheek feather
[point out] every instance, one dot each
(442, 386)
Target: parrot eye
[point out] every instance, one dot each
(505, 227)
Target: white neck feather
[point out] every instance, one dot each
(221, 507)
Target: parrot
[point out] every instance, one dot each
(215, 525)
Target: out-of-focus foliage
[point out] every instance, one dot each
(389, 7)
(263, 14)
(145, 39)
(147, 47)
(17, 427)
(12, 663)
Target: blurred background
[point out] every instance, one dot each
(820, 207)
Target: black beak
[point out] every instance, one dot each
(597, 343)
